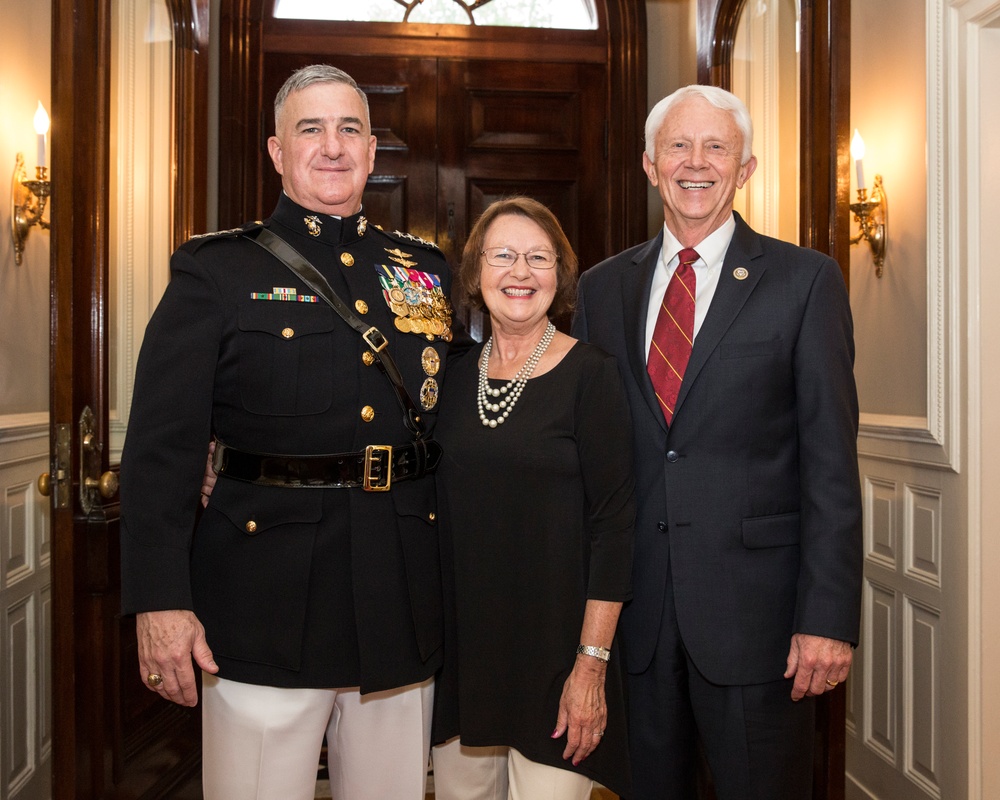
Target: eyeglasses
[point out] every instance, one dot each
(505, 257)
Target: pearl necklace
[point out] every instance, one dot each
(513, 388)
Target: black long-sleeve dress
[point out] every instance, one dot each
(538, 514)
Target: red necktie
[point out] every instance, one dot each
(674, 332)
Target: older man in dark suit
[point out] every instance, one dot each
(309, 592)
(737, 351)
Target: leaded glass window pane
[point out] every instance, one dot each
(570, 14)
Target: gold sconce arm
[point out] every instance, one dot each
(27, 204)
(872, 216)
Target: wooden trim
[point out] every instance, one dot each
(190, 116)
(240, 144)
(716, 33)
(81, 37)
(627, 83)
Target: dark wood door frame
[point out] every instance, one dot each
(96, 752)
(623, 50)
(824, 217)
(825, 107)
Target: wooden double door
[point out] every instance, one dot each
(456, 134)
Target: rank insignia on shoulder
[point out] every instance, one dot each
(227, 232)
(411, 238)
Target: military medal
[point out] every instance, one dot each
(429, 394)
(414, 297)
(430, 361)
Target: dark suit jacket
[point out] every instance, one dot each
(331, 587)
(751, 499)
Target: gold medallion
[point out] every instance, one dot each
(396, 295)
(429, 393)
(402, 324)
(430, 361)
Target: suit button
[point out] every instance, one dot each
(361, 306)
(288, 333)
(672, 456)
(662, 526)
(251, 527)
(367, 413)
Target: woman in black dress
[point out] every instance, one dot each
(537, 510)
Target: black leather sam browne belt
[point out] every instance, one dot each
(373, 469)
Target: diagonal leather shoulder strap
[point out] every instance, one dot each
(373, 337)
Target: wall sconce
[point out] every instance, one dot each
(28, 198)
(871, 214)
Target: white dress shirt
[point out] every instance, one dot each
(707, 269)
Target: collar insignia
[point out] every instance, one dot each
(312, 224)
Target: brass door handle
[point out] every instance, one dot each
(106, 485)
(44, 484)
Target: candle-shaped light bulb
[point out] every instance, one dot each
(858, 153)
(41, 128)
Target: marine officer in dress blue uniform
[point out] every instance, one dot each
(308, 592)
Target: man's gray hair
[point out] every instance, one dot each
(316, 73)
(719, 98)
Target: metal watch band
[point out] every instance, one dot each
(600, 653)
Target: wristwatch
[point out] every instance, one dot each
(600, 653)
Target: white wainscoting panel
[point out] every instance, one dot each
(880, 671)
(25, 608)
(922, 695)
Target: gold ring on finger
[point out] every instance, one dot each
(831, 683)
(154, 680)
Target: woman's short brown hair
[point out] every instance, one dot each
(470, 269)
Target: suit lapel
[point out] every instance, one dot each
(730, 295)
(635, 301)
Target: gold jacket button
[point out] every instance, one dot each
(367, 413)
(368, 357)
(432, 516)
(288, 333)
(251, 527)
(347, 260)
(361, 306)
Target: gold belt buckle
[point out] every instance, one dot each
(373, 455)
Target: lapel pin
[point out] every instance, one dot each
(740, 273)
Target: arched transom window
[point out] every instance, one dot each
(571, 14)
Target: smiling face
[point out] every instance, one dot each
(697, 168)
(324, 150)
(517, 297)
